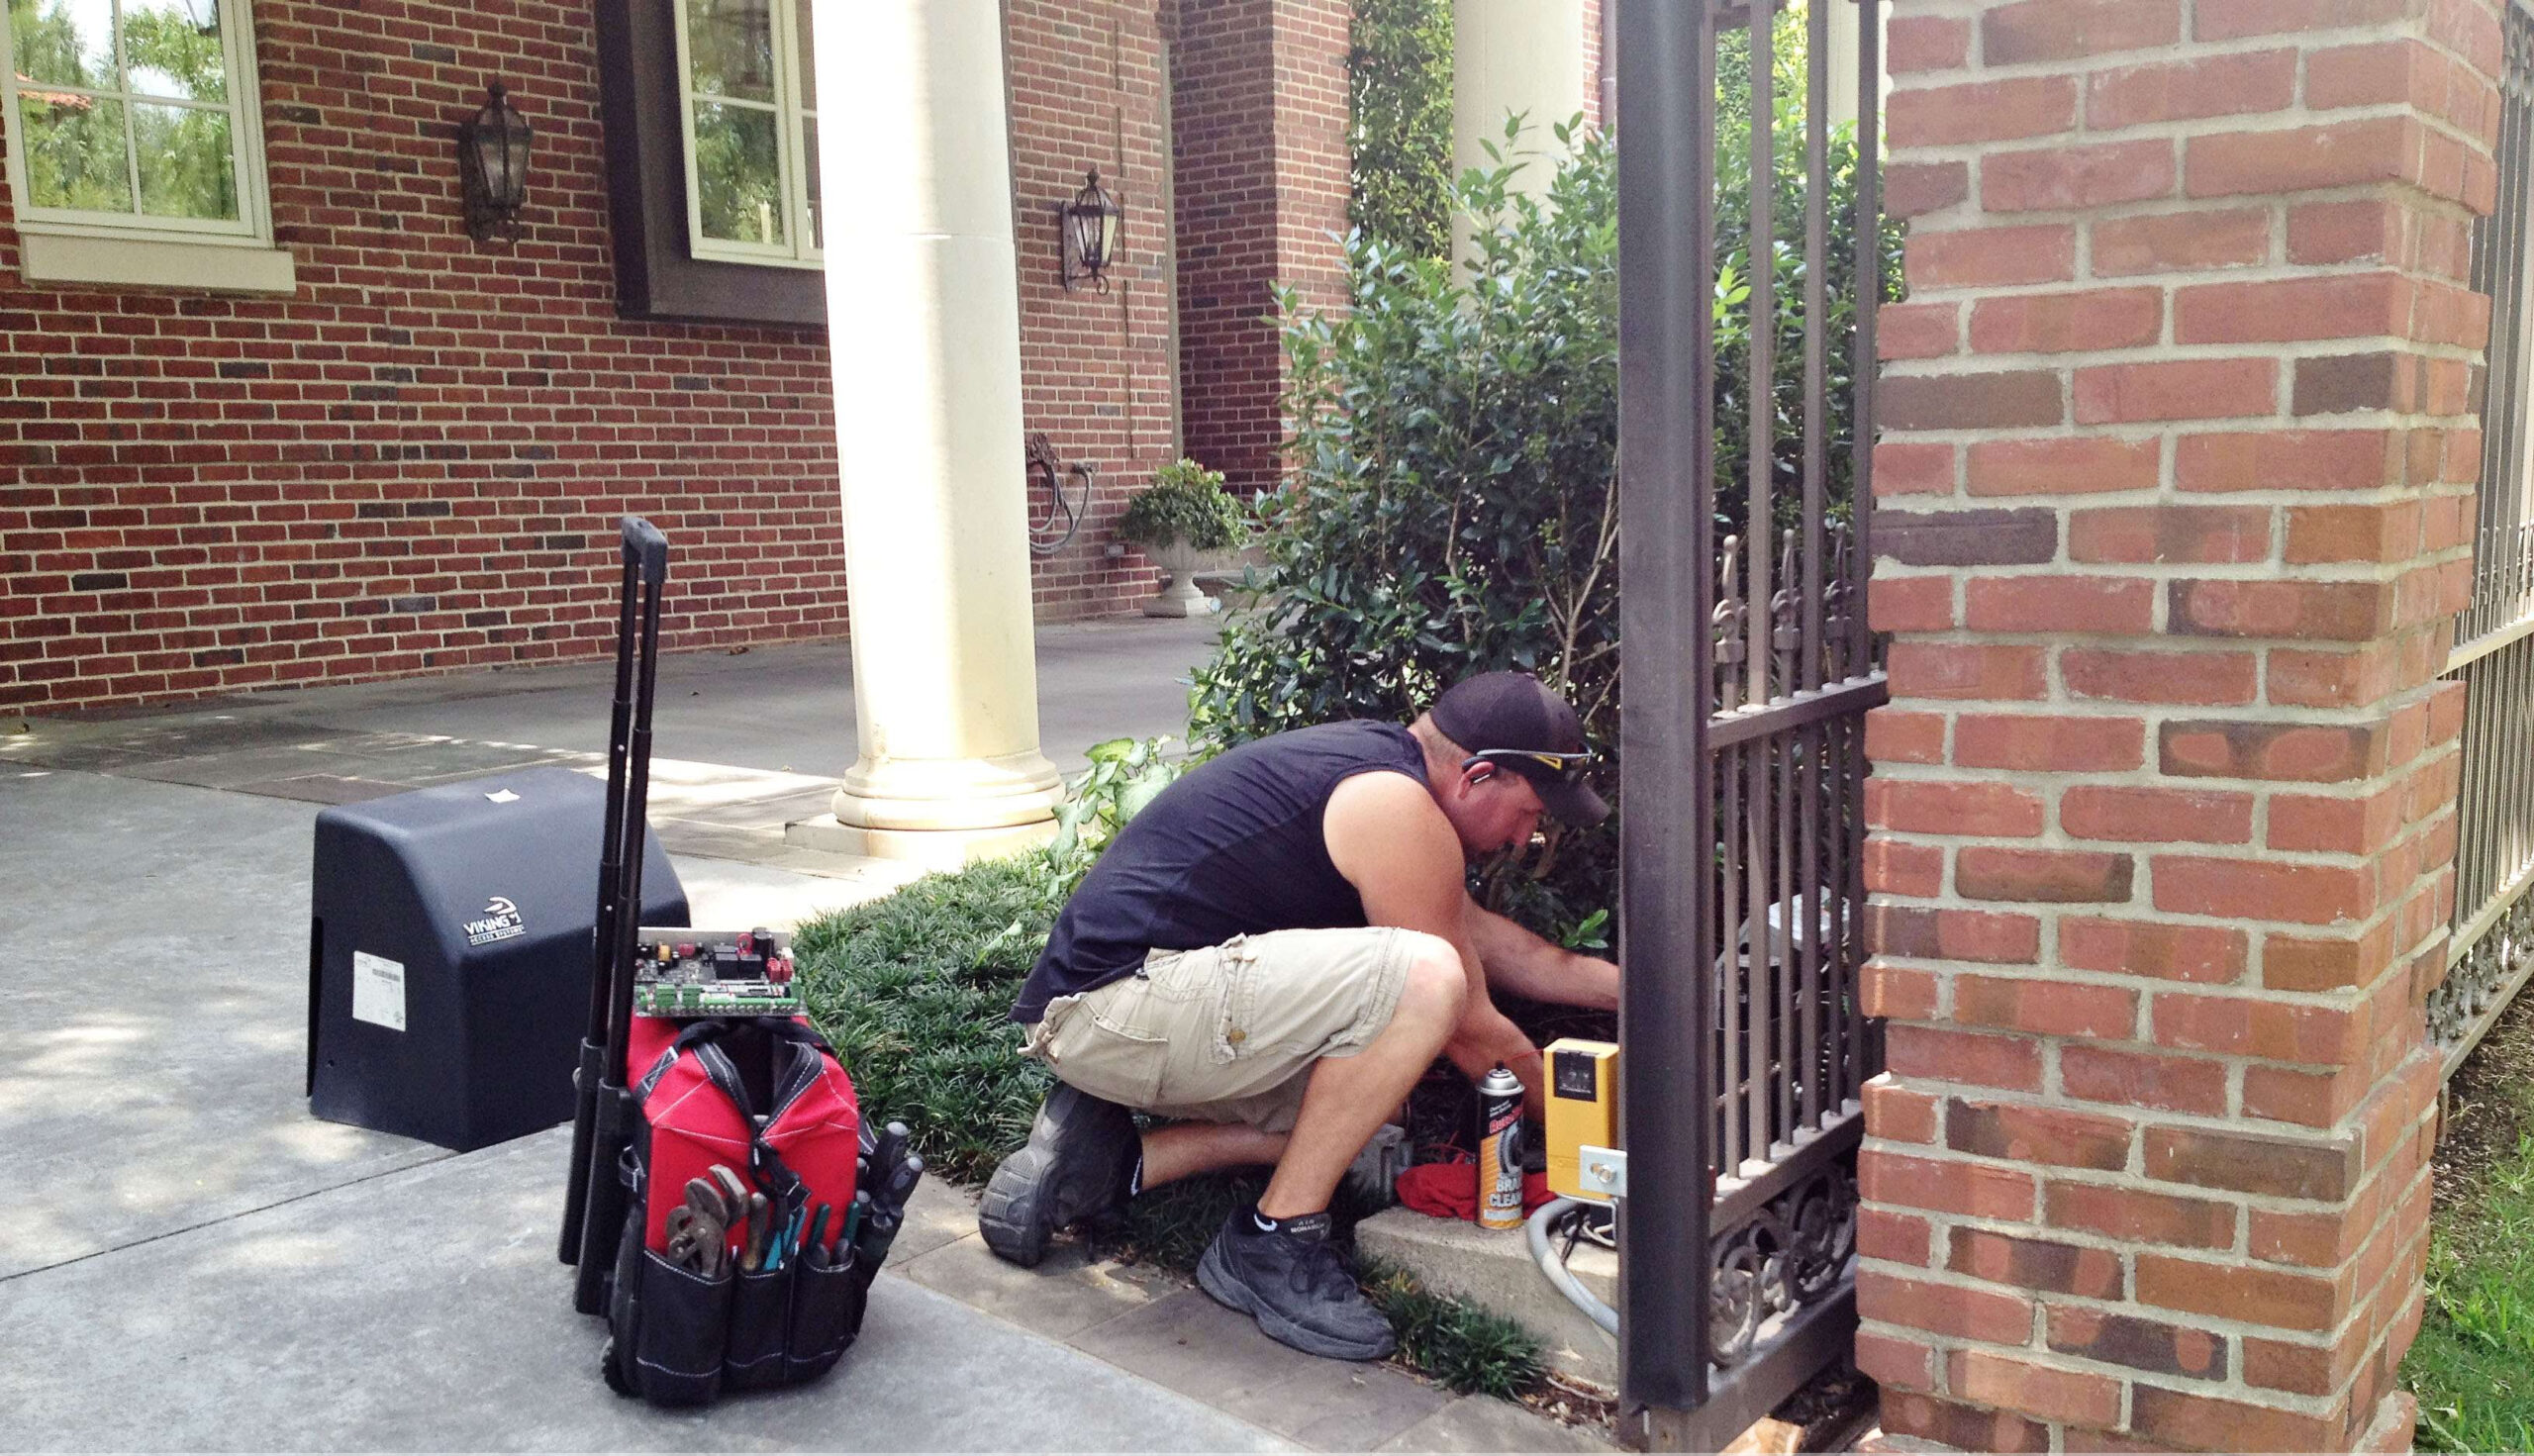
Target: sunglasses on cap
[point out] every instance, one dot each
(1534, 763)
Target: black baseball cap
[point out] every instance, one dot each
(1512, 721)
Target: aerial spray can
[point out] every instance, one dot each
(1499, 1149)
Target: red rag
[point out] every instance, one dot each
(1450, 1189)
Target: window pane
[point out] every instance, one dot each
(809, 161)
(731, 45)
(185, 167)
(171, 47)
(809, 71)
(71, 41)
(74, 153)
(738, 177)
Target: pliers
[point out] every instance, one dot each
(699, 1228)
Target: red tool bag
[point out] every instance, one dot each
(766, 1099)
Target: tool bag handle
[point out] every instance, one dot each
(811, 1053)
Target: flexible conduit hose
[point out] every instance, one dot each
(1536, 1229)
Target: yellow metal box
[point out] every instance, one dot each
(1583, 1108)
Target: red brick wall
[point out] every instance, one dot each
(1085, 86)
(1593, 62)
(415, 462)
(1260, 105)
(2177, 468)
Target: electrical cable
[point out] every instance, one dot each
(1535, 1228)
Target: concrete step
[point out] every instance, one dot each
(1493, 1268)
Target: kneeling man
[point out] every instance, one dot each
(1271, 954)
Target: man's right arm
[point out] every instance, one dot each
(1390, 841)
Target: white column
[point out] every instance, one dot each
(1845, 17)
(924, 328)
(1507, 56)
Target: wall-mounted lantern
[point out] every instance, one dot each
(1090, 226)
(492, 166)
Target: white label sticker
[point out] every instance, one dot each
(378, 989)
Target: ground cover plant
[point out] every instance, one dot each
(916, 989)
(2473, 1364)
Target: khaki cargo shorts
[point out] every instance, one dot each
(1229, 1034)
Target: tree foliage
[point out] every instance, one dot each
(1398, 75)
(1734, 274)
(78, 152)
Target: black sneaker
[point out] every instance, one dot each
(1298, 1285)
(1077, 1166)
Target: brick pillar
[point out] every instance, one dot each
(2177, 479)
(1258, 117)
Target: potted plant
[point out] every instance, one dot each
(1187, 523)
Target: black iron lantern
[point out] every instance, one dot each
(1090, 225)
(492, 164)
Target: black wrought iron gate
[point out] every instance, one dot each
(2490, 955)
(1747, 672)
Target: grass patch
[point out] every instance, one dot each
(916, 991)
(1456, 1342)
(2473, 1364)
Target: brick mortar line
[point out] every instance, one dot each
(2148, 776)
(2282, 351)
(2202, 128)
(2129, 1305)
(2038, 1229)
(2170, 280)
(2234, 1385)
(2348, 1126)
(1932, 503)
(2236, 1061)
(2063, 568)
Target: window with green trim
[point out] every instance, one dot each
(749, 110)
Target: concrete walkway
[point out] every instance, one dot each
(189, 1261)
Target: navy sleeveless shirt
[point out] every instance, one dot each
(1235, 847)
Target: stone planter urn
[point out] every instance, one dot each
(1179, 597)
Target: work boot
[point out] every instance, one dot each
(1078, 1164)
(1298, 1285)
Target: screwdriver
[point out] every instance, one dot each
(887, 1149)
(854, 1218)
(882, 1229)
(891, 1198)
(814, 1250)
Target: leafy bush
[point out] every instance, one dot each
(1451, 499)
(1399, 76)
(1185, 503)
(1126, 774)
(1451, 506)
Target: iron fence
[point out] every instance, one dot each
(1747, 669)
(2492, 950)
